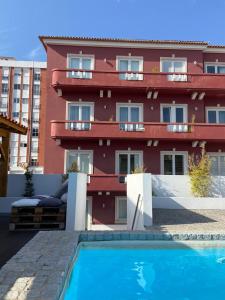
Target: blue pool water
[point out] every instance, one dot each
(148, 274)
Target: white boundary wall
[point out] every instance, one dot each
(44, 184)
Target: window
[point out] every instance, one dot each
(16, 114)
(173, 113)
(5, 88)
(83, 158)
(173, 163)
(130, 113)
(37, 76)
(128, 161)
(26, 87)
(5, 73)
(217, 164)
(25, 100)
(80, 62)
(34, 162)
(80, 112)
(121, 210)
(215, 115)
(176, 65)
(4, 102)
(35, 132)
(16, 86)
(23, 144)
(130, 64)
(16, 100)
(215, 68)
(17, 72)
(36, 89)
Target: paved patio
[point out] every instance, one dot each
(11, 242)
(182, 220)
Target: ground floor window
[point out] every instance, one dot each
(174, 163)
(83, 158)
(217, 164)
(121, 210)
(128, 161)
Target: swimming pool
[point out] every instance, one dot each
(147, 272)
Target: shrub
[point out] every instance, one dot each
(73, 169)
(199, 172)
(140, 169)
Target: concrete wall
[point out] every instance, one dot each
(179, 186)
(43, 184)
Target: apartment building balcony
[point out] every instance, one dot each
(106, 183)
(67, 80)
(100, 130)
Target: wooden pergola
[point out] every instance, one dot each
(7, 126)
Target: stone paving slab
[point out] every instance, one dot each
(39, 269)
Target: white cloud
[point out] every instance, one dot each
(34, 52)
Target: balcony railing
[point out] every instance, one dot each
(141, 131)
(66, 78)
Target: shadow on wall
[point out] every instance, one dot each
(218, 186)
(178, 216)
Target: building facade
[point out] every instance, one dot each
(22, 98)
(120, 106)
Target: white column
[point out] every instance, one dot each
(139, 184)
(76, 202)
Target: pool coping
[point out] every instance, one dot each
(39, 271)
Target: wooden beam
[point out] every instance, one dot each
(3, 132)
(4, 167)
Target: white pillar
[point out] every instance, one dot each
(76, 201)
(139, 184)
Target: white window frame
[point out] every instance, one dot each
(213, 64)
(128, 152)
(77, 152)
(185, 106)
(216, 109)
(71, 103)
(80, 56)
(169, 59)
(129, 105)
(173, 153)
(129, 59)
(117, 219)
(218, 154)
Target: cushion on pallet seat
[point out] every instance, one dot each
(29, 202)
(50, 202)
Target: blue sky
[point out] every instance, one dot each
(22, 21)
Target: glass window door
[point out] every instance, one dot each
(80, 112)
(83, 159)
(121, 210)
(173, 163)
(174, 66)
(215, 69)
(127, 162)
(130, 114)
(131, 65)
(81, 63)
(173, 114)
(216, 115)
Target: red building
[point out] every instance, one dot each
(115, 105)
